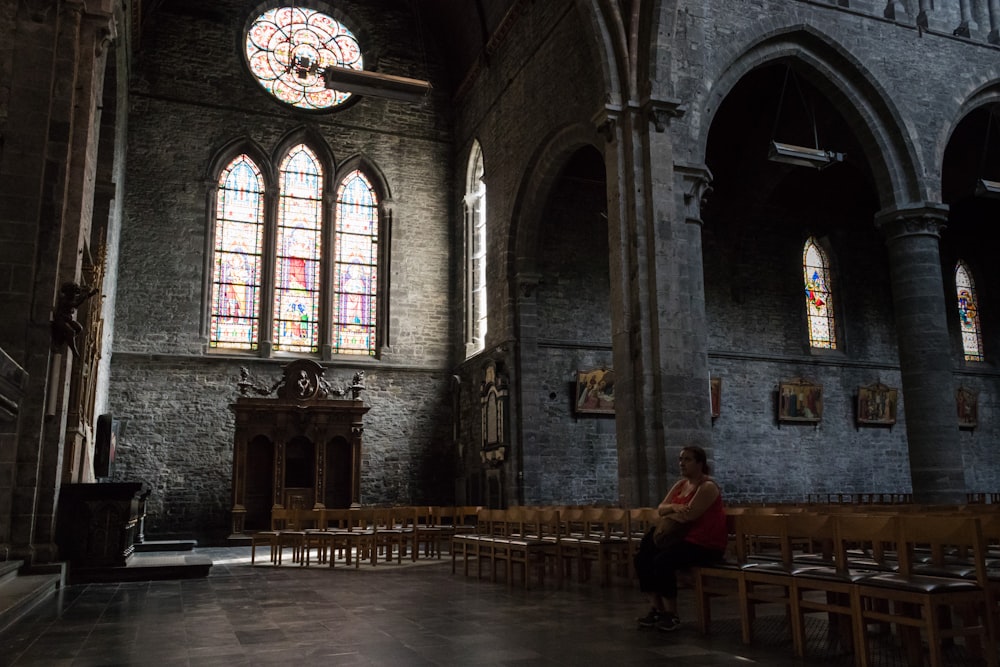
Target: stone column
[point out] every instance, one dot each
(912, 235)
(657, 298)
(994, 35)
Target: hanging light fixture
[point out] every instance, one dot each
(984, 187)
(802, 156)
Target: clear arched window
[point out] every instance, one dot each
(298, 274)
(355, 266)
(968, 312)
(475, 243)
(819, 297)
(236, 269)
(289, 48)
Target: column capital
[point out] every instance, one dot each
(915, 219)
(695, 182)
(660, 112)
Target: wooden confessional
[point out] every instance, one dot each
(300, 449)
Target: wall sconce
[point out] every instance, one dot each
(803, 156)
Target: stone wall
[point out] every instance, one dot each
(191, 97)
(542, 83)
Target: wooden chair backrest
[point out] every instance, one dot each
(942, 534)
(876, 535)
(762, 535)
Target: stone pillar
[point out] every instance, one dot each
(912, 235)
(657, 298)
(994, 35)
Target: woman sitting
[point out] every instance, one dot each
(695, 503)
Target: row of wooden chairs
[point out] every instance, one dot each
(361, 534)
(546, 539)
(921, 573)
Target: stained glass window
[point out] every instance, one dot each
(968, 312)
(236, 273)
(288, 48)
(299, 251)
(819, 297)
(355, 266)
(475, 213)
(292, 273)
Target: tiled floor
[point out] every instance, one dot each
(419, 614)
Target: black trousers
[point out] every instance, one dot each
(657, 568)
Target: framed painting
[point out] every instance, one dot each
(716, 396)
(877, 404)
(967, 403)
(800, 401)
(595, 392)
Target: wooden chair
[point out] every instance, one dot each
(927, 605)
(827, 586)
(426, 533)
(477, 543)
(268, 538)
(641, 519)
(615, 553)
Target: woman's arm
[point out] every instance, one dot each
(666, 506)
(703, 498)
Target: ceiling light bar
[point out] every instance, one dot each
(990, 189)
(377, 84)
(803, 156)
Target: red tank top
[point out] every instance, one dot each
(708, 530)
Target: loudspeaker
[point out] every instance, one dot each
(104, 445)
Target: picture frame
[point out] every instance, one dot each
(967, 406)
(595, 392)
(716, 396)
(877, 404)
(800, 401)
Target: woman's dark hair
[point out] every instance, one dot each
(700, 457)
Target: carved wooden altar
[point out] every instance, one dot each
(300, 449)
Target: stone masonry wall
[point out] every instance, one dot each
(191, 96)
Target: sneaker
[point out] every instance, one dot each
(651, 619)
(668, 623)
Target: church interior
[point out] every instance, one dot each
(261, 255)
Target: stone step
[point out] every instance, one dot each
(148, 566)
(21, 592)
(165, 545)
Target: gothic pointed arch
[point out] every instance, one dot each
(887, 143)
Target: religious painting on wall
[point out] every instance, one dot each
(595, 391)
(877, 404)
(800, 401)
(967, 402)
(716, 396)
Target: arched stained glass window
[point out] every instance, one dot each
(296, 272)
(355, 266)
(288, 48)
(968, 312)
(236, 273)
(299, 253)
(475, 222)
(819, 297)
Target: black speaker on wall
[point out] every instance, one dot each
(104, 445)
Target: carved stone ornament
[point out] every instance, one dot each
(493, 398)
(661, 112)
